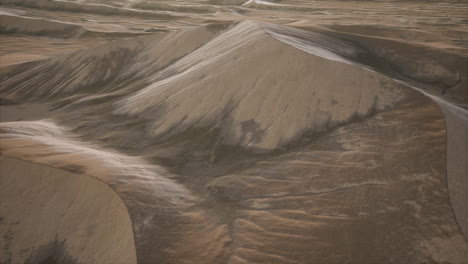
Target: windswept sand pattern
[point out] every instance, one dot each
(233, 132)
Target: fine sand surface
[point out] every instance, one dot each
(233, 132)
(52, 214)
(457, 165)
(28, 111)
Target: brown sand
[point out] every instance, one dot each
(51, 213)
(234, 131)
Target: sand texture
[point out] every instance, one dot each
(233, 132)
(77, 217)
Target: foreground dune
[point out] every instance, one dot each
(49, 213)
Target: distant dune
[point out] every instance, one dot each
(21, 25)
(10, 24)
(85, 8)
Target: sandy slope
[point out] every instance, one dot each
(51, 213)
(249, 142)
(278, 208)
(280, 84)
(333, 200)
(259, 86)
(21, 25)
(158, 206)
(109, 63)
(457, 155)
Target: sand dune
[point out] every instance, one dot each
(85, 8)
(225, 139)
(258, 207)
(110, 62)
(154, 201)
(250, 111)
(22, 25)
(175, 7)
(52, 214)
(333, 181)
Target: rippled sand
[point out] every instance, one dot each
(233, 131)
